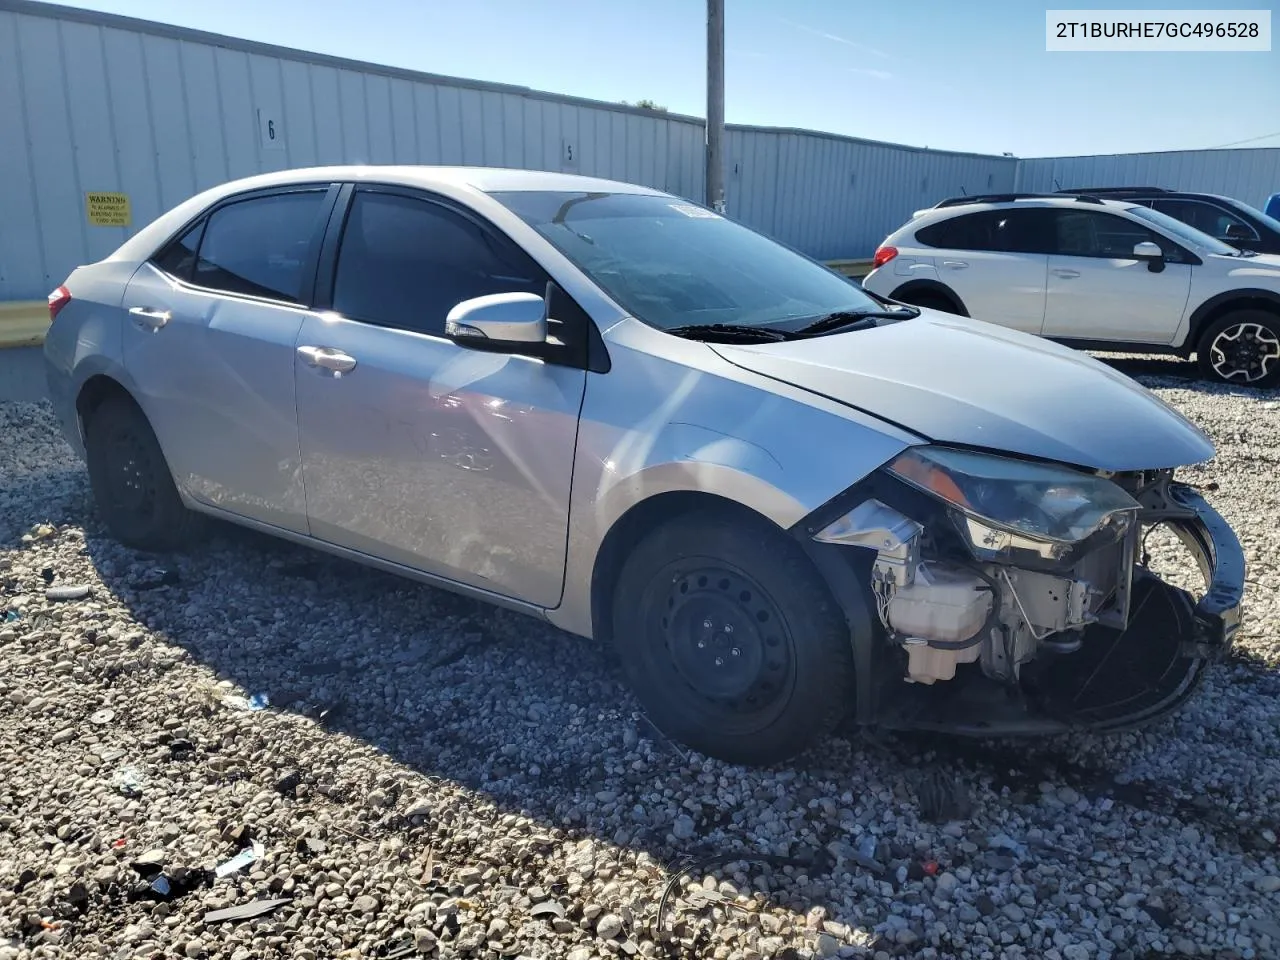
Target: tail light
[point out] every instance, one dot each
(57, 300)
(883, 256)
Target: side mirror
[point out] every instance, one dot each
(497, 319)
(1151, 253)
(1238, 231)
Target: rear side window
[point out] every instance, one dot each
(180, 256)
(1007, 231)
(258, 247)
(406, 262)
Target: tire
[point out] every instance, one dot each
(696, 590)
(1242, 348)
(131, 481)
(929, 301)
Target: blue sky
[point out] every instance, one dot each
(939, 73)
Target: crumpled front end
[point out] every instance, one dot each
(1009, 596)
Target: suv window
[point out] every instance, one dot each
(1091, 233)
(1205, 217)
(1008, 231)
(406, 262)
(258, 246)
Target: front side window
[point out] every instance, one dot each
(1090, 233)
(258, 246)
(670, 263)
(1206, 217)
(406, 262)
(1184, 232)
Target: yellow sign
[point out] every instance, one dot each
(107, 209)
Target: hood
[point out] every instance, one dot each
(956, 380)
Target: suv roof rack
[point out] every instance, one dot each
(1098, 191)
(1006, 197)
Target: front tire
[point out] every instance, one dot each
(131, 481)
(731, 641)
(1242, 348)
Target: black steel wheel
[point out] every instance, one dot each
(1242, 347)
(731, 640)
(131, 482)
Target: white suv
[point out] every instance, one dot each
(1091, 273)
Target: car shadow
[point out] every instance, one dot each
(1165, 371)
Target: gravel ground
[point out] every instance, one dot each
(432, 777)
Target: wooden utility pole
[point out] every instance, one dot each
(715, 105)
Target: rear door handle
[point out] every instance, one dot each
(955, 264)
(1066, 274)
(328, 358)
(149, 318)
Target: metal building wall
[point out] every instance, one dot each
(836, 197)
(1251, 174)
(93, 102)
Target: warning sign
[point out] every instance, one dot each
(107, 209)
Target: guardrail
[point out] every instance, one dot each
(23, 322)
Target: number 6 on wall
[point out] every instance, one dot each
(270, 133)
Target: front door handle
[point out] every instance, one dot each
(955, 264)
(328, 358)
(147, 317)
(1066, 274)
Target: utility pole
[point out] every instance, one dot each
(715, 105)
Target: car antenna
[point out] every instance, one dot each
(1057, 184)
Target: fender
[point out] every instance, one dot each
(935, 287)
(1244, 297)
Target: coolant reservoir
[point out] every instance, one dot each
(943, 603)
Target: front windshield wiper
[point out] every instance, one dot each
(728, 331)
(849, 318)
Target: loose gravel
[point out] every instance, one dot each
(429, 777)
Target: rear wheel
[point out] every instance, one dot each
(1242, 347)
(131, 481)
(731, 641)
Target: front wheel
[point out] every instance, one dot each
(731, 641)
(1242, 347)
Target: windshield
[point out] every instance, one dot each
(1184, 231)
(671, 263)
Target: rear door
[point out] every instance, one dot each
(985, 258)
(439, 457)
(209, 343)
(1098, 290)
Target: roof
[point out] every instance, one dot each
(1046, 201)
(484, 179)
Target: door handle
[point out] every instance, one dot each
(955, 264)
(1066, 274)
(327, 358)
(147, 317)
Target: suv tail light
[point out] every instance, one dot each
(883, 256)
(57, 300)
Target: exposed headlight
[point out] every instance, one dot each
(1005, 506)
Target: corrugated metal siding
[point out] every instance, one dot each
(1251, 175)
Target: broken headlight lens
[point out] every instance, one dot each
(1005, 507)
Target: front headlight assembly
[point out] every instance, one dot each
(1014, 511)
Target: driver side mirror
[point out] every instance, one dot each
(498, 319)
(1151, 253)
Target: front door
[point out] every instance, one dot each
(211, 327)
(449, 460)
(1098, 290)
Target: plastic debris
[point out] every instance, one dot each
(245, 911)
(105, 715)
(161, 885)
(76, 592)
(259, 701)
(547, 908)
(12, 616)
(128, 780)
(240, 860)
(159, 577)
(931, 868)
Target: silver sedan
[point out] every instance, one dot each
(786, 501)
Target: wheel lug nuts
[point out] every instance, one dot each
(719, 661)
(701, 644)
(728, 628)
(706, 624)
(736, 652)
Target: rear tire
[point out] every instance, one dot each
(1242, 348)
(131, 481)
(731, 641)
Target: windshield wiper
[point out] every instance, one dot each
(728, 331)
(849, 318)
